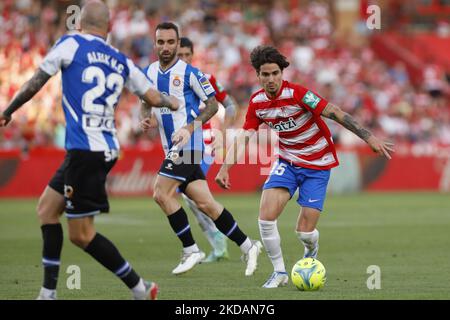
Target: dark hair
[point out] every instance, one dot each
(168, 26)
(186, 43)
(267, 54)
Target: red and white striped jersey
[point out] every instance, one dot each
(221, 94)
(304, 138)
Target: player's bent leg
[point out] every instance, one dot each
(199, 192)
(82, 233)
(308, 219)
(164, 195)
(306, 231)
(50, 206)
(273, 201)
(49, 209)
(216, 239)
(312, 194)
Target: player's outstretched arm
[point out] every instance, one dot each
(148, 121)
(156, 99)
(181, 137)
(219, 142)
(211, 108)
(231, 107)
(335, 113)
(26, 92)
(234, 153)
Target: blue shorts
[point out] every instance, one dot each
(312, 183)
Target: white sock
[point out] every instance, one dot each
(309, 239)
(139, 289)
(246, 245)
(190, 249)
(272, 242)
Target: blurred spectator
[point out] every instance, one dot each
(224, 33)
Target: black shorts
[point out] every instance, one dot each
(184, 167)
(81, 179)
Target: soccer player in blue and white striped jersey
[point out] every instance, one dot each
(93, 77)
(182, 139)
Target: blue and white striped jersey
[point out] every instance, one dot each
(191, 87)
(93, 77)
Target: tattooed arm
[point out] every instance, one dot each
(335, 113)
(146, 110)
(207, 113)
(148, 121)
(182, 136)
(26, 92)
(155, 98)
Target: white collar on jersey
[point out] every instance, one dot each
(91, 37)
(164, 72)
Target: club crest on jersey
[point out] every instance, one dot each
(176, 82)
(283, 125)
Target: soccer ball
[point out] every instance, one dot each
(308, 274)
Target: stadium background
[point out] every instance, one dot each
(394, 80)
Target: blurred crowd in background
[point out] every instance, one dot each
(381, 96)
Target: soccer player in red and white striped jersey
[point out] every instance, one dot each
(306, 154)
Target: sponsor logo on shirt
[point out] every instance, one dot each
(311, 100)
(219, 86)
(284, 125)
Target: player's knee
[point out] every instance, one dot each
(209, 207)
(80, 239)
(161, 198)
(268, 213)
(45, 213)
(203, 206)
(308, 221)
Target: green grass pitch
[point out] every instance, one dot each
(405, 234)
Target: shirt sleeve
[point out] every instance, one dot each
(201, 85)
(137, 81)
(221, 94)
(251, 120)
(310, 100)
(60, 56)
